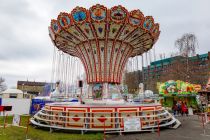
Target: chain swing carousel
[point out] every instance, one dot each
(103, 39)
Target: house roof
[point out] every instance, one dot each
(31, 83)
(17, 91)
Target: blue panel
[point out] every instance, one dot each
(79, 16)
(37, 104)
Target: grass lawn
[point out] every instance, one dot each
(17, 133)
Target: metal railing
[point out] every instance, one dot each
(62, 119)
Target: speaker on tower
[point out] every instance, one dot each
(80, 83)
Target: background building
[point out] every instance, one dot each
(12, 93)
(195, 70)
(31, 88)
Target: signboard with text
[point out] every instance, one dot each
(16, 120)
(132, 124)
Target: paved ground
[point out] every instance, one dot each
(191, 129)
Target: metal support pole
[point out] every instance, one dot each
(158, 128)
(82, 132)
(51, 130)
(143, 72)
(27, 127)
(204, 131)
(4, 124)
(104, 130)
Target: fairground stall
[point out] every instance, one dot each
(205, 97)
(103, 39)
(178, 91)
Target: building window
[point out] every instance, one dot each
(13, 96)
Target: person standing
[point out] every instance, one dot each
(179, 109)
(174, 109)
(184, 108)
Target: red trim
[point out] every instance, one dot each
(89, 65)
(116, 59)
(111, 111)
(98, 51)
(56, 117)
(89, 43)
(75, 111)
(92, 62)
(112, 51)
(105, 54)
(124, 46)
(91, 107)
(147, 108)
(121, 60)
(126, 111)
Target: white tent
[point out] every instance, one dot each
(12, 93)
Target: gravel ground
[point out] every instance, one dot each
(190, 129)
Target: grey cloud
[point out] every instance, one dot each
(19, 22)
(24, 34)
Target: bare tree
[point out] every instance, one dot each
(132, 80)
(2, 84)
(187, 44)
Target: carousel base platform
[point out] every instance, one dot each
(75, 116)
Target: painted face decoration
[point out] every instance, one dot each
(98, 14)
(55, 27)
(118, 14)
(147, 24)
(64, 21)
(79, 16)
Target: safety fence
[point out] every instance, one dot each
(16, 120)
(205, 119)
(114, 122)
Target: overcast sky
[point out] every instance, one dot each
(26, 50)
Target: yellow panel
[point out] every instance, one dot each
(99, 116)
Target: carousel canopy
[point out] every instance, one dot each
(104, 38)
